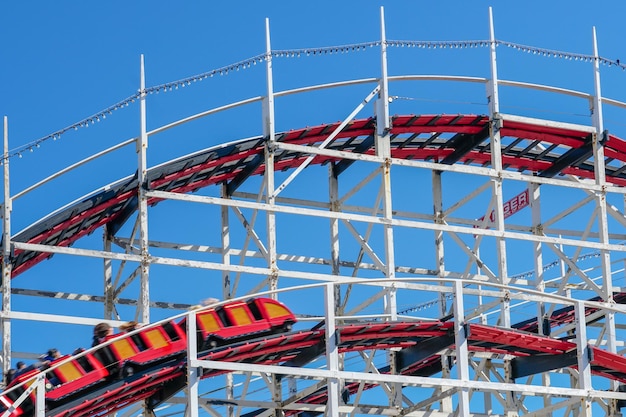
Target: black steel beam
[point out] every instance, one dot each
(463, 143)
(425, 349)
(570, 158)
(362, 147)
(305, 356)
(243, 175)
(535, 364)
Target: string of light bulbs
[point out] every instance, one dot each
(296, 53)
(328, 50)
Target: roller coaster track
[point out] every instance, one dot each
(419, 344)
(444, 139)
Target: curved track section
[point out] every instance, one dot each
(418, 345)
(528, 145)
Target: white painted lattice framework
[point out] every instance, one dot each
(362, 245)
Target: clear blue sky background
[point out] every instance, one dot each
(64, 61)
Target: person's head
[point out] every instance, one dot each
(102, 330)
(54, 353)
(8, 377)
(20, 365)
(129, 326)
(208, 301)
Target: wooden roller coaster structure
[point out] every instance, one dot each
(384, 324)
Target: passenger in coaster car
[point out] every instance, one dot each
(22, 368)
(130, 326)
(52, 354)
(101, 333)
(9, 376)
(204, 303)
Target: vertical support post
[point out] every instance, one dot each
(600, 175)
(7, 265)
(543, 328)
(496, 163)
(40, 396)
(193, 375)
(383, 123)
(462, 352)
(269, 134)
(596, 111)
(226, 286)
(584, 365)
(332, 352)
(535, 207)
(383, 149)
(335, 206)
(108, 276)
(446, 402)
(603, 228)
(142, 187)
(383, 126)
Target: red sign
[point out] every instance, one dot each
(512, 206)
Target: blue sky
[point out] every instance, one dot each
(65, 61)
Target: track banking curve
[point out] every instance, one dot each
(442, 139)
(438, 139)
(418, 344)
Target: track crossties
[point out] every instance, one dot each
(531, 146)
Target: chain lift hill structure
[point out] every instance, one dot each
(438, 263)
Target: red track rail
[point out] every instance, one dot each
(280, 348)
(438, 138)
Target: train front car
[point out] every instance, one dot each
(276, 314)
(240, 320)
(155, 353)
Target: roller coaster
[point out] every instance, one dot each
(149, 364)
(398, 328)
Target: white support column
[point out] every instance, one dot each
(446, 401)
(226, 287)
(596, 111)
(335, 205)
(269, 134)
(7, 265)
(383, 148)
(600, 175)
(603, 227)
(332, 352)
(40, 396)
(382, 110)
(439, 247)
(496, 163)
(462, 352)
(535, 207)
(269, 131)
(108, 277)
(193, 376)
(534, 193)
(142, 170)
(584, 365)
